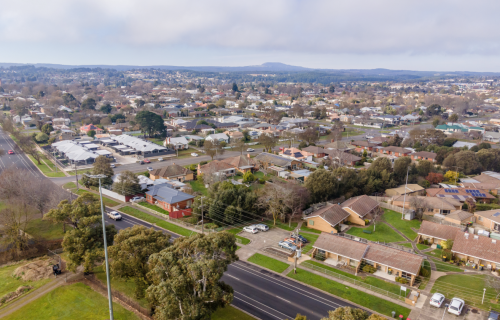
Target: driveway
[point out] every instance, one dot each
(262, 240)
(432, 313)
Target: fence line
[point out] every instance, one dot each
(353, 281)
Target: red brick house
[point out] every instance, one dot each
(90, 127)
(167, 198)
(396, 151)
(424, 155)
(317, 152)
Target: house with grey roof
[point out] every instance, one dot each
(167, 198)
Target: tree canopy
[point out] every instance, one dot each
(89, 104)
(150, 123)
(127, 184)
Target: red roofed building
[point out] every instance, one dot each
(90, 127)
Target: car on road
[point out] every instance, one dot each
(437, 300)
(456, 306)
(160, 159)
(287, 245)
(300, 237)
(369, 137)
(251, 229)
(147, 161)
(194, 154)
(262, 227)
(114, 215)
(150, 168)
(112, 165)
(294, 241)
(250, 150)
(10, 152)
(135, 199)
(142, 162)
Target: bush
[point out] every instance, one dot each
(425, 272)
(367, 221)
(248, 177)
(401, 280)
(262, 181)
(203, 162)
(369, 269)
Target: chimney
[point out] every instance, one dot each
(493, 241)
(248, 155)
(333, 140)
(466, 235)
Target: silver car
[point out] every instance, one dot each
(262, 227)
(287, 245)
(437, 300)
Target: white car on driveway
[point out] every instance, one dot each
(114, 215)
(136, 199)
(262, 227)
(194, 154)
(456, 306)
(437, 300)
(251, 229)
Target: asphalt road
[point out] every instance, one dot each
(18, 160)
(260, 292)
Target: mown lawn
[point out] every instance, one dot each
(382, 233)
(155, 220)
(230, 313)
(69, 185)
(235, 231)
(74, 301)
(404, 226)
(48, 168)
(9, 284)
(305, 228)
(357, 296)
(153, 207)
(198, 186)
(269, 263)
(107, 201)
(45, 229)
(446, 267)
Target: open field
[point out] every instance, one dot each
(47, 167)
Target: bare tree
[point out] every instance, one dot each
(240, 145)
(15, 218)
(29, 147)
(297, 200)
(273, 200)
(419, 204)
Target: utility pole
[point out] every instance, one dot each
(404, 197)
(202, 223)
(456, 171)
(110, 300)
(484, 292)
(76, 177)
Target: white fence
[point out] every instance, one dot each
(113, 194)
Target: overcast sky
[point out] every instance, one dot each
(443, 35)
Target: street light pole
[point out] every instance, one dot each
(110, 300)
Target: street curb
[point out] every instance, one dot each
(251, 315)
(312, 287)
(153, 224)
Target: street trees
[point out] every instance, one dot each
(229, 202)
(150, 123)
(47, 128)
(29, 146)
(130, 252)
(322, 185)
(269, 141)
(102, 165)
(240, 145)
(453, 117)
(127, 184)
(213, 148)
(346, 313)
(186, 276)
(310, 135)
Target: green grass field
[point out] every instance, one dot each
(230, 313)
(382, 233)
(107, 201)
(371, 302)
(159, 222)
(446, 267)
(419, 246)
(69, 185)
(47, 167)
(45, 229)
(81, 171)
(404, 226)
(75, 301)
(10, 284)
(269, 263)
(467, 287)
(197, 186)
(153, 207)
(304, 228)
(235, 231)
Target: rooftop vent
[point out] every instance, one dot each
(476, 237)
(493, 241)
(466, 235)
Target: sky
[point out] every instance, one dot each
(444, 35)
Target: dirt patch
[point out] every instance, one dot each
(13, 295)
(35, 270)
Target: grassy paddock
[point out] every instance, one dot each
(47, 167)
(45, 229)
(269, 263)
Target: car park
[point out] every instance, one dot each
(251, 229)
(194, 154)
(135, 199)
(437, 300)
(160, 159)
(300, 237)
(456, 306)
(147, 161)
(295, 242)
(11, 152)
(250, 150)
(287, 245)
(150, 168)
(114, 215)
(262, 227)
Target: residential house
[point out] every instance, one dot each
(388, 119)
(409, 189)
(269, 160)
(435, 232)
(477, 250)
(339, 145)
(488, 187)
(172, 172)
(431, 206)
(328, 218)
(395, 151)
(343, 158)
(424, 155)
(167, 198)
(389, 261)
(489, 219)
(90, 127)
(360, 208)
(365, 145)
(492, 136)
(295, 153)
(242, 163)
(450, 129)
(217, 167)
(234, 135)
(346, 118)
(460, 194)
(459, 217)
(178, 143)
(317, 152)
(221, 137)
(461, 144)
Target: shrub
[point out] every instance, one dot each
(369, 269)
(203, 162)
(401, 280)
(425, 272)
(262, 181)
(367, 221)
(248, 177)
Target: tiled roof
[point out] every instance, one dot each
(240, 161)
(394, 258)
(459, 215)
(493, 215)
(313, 149)
(215, 166)
(434, 203)
(362, 205)
(332, 213)
(434, 192)
(170, 171)
(425, 154)
(437, 230)
(163, 192)
(397, 149)
(274, 159)
(363, 143)
(476, 246)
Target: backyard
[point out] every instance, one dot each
(382, 233)
(198, 186)
(404, 226)
(153, 207)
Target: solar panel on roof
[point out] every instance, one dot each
(483, 195)
(496, 214)
(468, 191)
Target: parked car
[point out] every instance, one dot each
(142, 162)
(251, 229)
(369, 137)
(160, 159)
(326, 157)
(295, 242)
(194, 154)
(114, 215)
(112, 165)
(456, 306)
(135, 199)
(262, 227)
(287, 245)
(147, 161)
(437, 300)
(150, 168)
(250, 150)
(11, 152)
(494, 315)
(300, 237)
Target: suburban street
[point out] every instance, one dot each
(18, 160)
